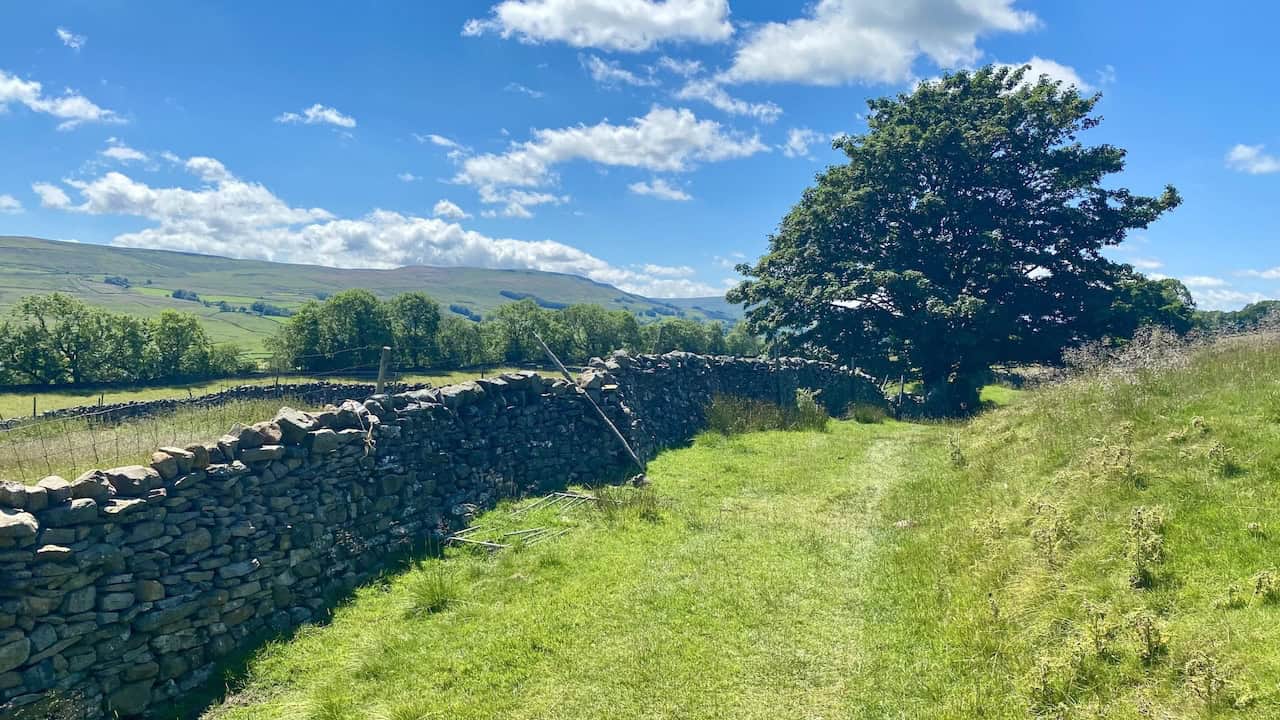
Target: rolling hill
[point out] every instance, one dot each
(31, 266)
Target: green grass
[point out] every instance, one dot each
(19, 404)
(882, 570)
(70, 447)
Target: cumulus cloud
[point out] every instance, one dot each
(71, 108)
(9, 205)
(847, 41)
(120, 152)
(669, 270)
(51, 196)
(1268, 274)
(233, 217)
(318, 115)
(1226, 298)
(449, 211)
(623, 25)
(1203, 281)
(659, 188)
(1041, 67)
(710, 91)
(1145, 264)
(1252, 159)
(664, 139)
(407, 177)
(799, 140)
(612, 74)
(70, 39)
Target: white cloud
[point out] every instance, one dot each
(70, 39)
(117, 150)
(1203, 281)
(1145, 264)
(449, 211)
(625, 25)
(51, 196)
(71, 108)
(683, 68)
(515, 87)
(1268, 274)
(407, 177)
(659, 188)
(435, 139)
(516, 202)
(1055, 71)
(9, 205)
(237, 218)
(846, 41)
(663, 140)
(800, 139)
(669, 270)
(1226, 298)
(710, 91)
(1251, 159)
(611, 74)
(1107, 75)
(318, 114)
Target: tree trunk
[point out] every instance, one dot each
(952, 395)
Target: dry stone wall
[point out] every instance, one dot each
(121, 590)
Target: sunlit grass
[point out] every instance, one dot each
(888, 570)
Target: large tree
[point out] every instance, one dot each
(966, 229)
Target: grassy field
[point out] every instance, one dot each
(1100, 549)
(19, 404)
(31, 266)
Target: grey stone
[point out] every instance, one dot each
(17, 525)
(59, 489)
(322, 441)
(295, 424)
(133, 480)
(185, 458)
(14, 653)
(115, 601)
(265, 453)
(78, 512)
(131, 699)
(78, 601)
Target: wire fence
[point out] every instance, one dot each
(69, 441)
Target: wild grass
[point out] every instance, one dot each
(18, 404)
(733, 415)
(72, 446)
(886, 570)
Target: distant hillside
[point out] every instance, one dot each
(142, 282)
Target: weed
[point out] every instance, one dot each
(1149, 630)
(1222, 459)
(617, 503)
(867, 414)
(733, 415)
(1052, 532)
(1256, 531)
(1100, 630)
(1266, 586)
(1204, 677)
(1146, 545)
(955, 452)
(432, 589)
(1232, 599)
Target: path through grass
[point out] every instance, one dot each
(1004, 568)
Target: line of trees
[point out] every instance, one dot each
(347, 331)
(56, 339)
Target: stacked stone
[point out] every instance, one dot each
(121, 590)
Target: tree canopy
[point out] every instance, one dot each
(966, 229)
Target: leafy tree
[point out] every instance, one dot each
(179, 346)
(354, 326)
(675, 334)
(514, 326)
(966, 229)
(415, 321)
(461, 343)
(1141, 301)
(741, 342)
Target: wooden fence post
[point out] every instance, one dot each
(383, 362)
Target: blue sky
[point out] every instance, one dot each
(647, 144)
